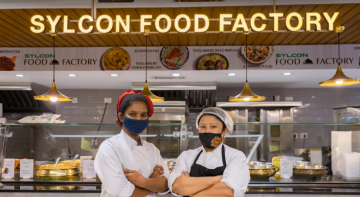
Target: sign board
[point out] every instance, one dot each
(293, 57)
(10, 165)
(200, 23)
(26, 168)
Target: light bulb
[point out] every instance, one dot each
(339, 82)
(231, 74)
(246, 99)
(53, 99)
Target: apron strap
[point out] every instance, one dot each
(223, 155)
(197, 157)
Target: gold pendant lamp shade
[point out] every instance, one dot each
(146, 91)
(246, 94)
(53, 94)
(339, 79)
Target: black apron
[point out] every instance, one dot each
(200, 171)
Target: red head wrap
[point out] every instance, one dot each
(121, 98)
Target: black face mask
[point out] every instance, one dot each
(210, 140)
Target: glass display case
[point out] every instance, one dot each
(50, 141)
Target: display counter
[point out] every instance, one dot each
(173, 138)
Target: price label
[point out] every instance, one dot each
(10, 165)
(26, 168)
(286, 166)
(88, 169)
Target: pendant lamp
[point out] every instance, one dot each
(339, 79)
(246, 94)
(53, 94)
(146, 91)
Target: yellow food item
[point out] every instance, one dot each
(212, 62)
(116, 59)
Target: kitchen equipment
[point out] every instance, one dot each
(350, 166)
(302, 163)
(316, 156)
(57, 170)
(340, 143)
(307, 171)
(304, 153)
(276, 136)
(60, 170)
(256, 163)
(262, 171)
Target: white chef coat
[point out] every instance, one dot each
(236, 174)
(119, 152)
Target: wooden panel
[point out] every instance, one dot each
(15, 27)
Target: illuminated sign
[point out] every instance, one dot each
(201, 23)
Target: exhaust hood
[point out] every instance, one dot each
(20, 99)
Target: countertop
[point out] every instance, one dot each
(271, 186)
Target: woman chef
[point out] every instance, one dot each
(213, 169)
(127, 165)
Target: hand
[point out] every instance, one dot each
(217, 179)
(158, 171)
(135, 177)
(185, 173)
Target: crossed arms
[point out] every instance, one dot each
(201, 186)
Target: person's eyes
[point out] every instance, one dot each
(143, 115)
(203, 127)
(213, 127)
(132, 114)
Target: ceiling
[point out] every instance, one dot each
(125, 79)
(15, 27)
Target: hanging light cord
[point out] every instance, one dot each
(246, 55)
(54, 59)
(339, 47)
(146, 58)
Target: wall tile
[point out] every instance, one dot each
(96, 100)
(105, 93)
(87, 93)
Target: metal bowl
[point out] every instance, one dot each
(309, 170)
(62, 170)
(256, 163)
(302, 163)
(263, 171)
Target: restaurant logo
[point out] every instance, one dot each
(200, 22)
(291, 58)
(278, 55)
(39, 56)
